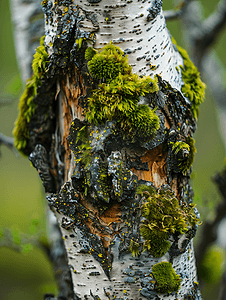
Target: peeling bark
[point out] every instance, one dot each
(156, 172)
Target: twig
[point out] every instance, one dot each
(209, 232)
(5, 102)
(17, 241)
(212, 26)
(176, 13)
(208, 63)
(213, 70)
(8, 142)
(222, 293)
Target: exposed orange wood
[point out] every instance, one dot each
(73, 87)
(113, 214)
(167, 124)
(156, 159)
(174, 186)
(67, 118)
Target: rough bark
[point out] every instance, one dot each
(93, 180)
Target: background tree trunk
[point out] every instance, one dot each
(93, 171)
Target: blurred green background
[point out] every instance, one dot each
(21, 195)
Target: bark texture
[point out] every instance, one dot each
(94, 170)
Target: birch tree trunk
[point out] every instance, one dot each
(116, 173)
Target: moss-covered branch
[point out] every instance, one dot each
(26, 104)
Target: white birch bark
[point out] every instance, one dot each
(28, 24)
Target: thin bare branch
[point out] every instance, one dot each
(222, 293)
(6, 101)
(213, 25)
(213, 70)
(176, 13)
(8, 142)
(28, 20)
(202, 34)
(20, 242)
(209, 232)
(208, 63)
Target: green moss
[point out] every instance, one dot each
(26, 110)
(193, 88)
(79, 42)
(145, 190)
(83, 147)
(155, 241)
(134, 248)
(108, 63)
(187, 165)
(163, 217)
(167, 279)
(26, 104)
(179, 146)
(40, 61)
(117, 98)
(90, 52)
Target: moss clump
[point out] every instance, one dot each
(167, 280)
(119, 92)
(79, 43)
(179, 146)
(163, 217)
(155, 241)
(193, 88)
(107, 64)
(26, 110)
(26, 104)
(187, 165)
(134, 248)
(90, 52)
(40, 61)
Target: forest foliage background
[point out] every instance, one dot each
(22, 205)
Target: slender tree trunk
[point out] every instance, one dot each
(114, 150)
